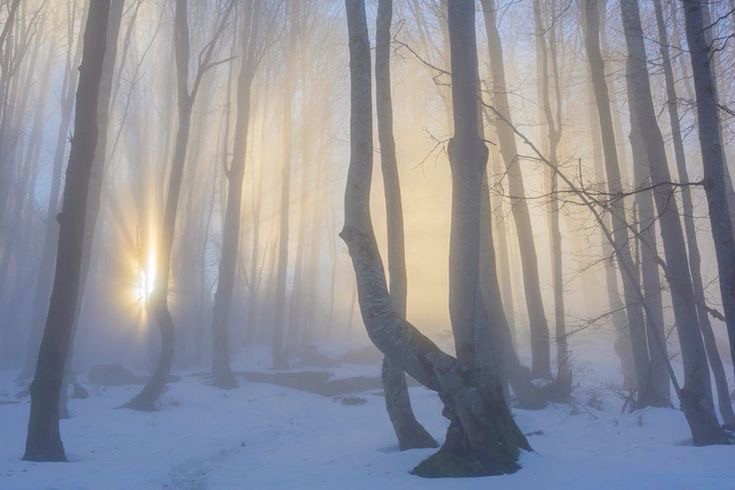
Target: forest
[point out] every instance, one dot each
(322, 244)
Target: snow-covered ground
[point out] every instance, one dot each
(263, 436)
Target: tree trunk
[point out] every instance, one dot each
(411, 434)
(45, 278)
(156, 385)
(44, 440)
(540, 342)
(696, 394)
(650, 278)
(636, 326)
(713, 159)
(554, 131)
(221, 371)
(695, 261)
(280, 356)
(482, 438)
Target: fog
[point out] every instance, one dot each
(206, 239)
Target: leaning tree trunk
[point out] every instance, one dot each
(713, 159)
(483, 437)
(411, 434)
(44, 440)
(636, 325)
(540, 342)
(696, 394)
(695, 260)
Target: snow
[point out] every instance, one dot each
(263, 436)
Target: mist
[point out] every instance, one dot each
(379, 240)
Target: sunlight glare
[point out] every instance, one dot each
(146, 279)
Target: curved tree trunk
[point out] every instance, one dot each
(483, 437)
(156, 385)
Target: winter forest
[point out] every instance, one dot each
(328, 244)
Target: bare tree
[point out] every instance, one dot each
(146, 399)
(44, 440)
(410, 433)
(540, 342)
(483, 437)
(646, 394)
(713, 355)
(713, 158)
(250, 55)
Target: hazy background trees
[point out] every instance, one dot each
(216, 192)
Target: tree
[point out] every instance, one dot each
(713, 158)
(409, 431)
(554, 130)
(279, 354)
(713, 355)
(696, 394)
(44, 440)
(646, 394)
(146, 399)
(483, 437)
(249, 58)
(540, 345)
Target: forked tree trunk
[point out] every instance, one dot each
(696, 394)
(483, 437)
(411, 434)
(43, 442)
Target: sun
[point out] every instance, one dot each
(146, 280)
